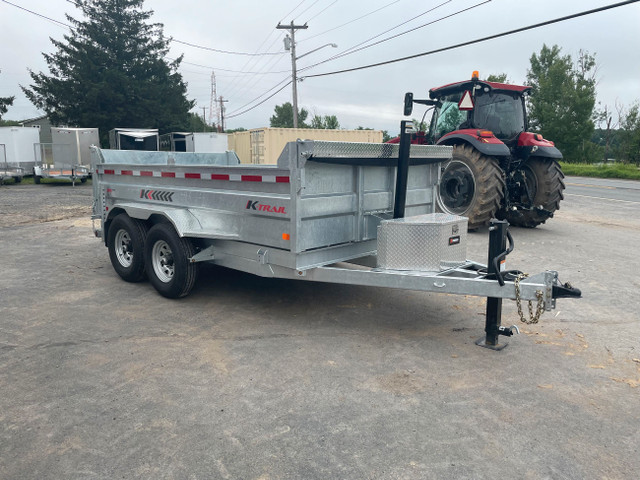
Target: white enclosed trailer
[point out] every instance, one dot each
(17, 157)
(360, 214)
(69, 156)
(146, 139)
(199, 142)
(203, 142)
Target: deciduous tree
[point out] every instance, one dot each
(562, 100)
(283, 117)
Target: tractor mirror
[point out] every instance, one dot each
(408, 104)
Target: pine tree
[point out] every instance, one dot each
(111, 71)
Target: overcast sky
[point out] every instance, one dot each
(369, 97)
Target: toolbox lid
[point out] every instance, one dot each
(428, 219)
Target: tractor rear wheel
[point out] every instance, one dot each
(471, 185)
(543, 179)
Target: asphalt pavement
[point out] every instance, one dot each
(256, 378)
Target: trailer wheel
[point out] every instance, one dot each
(543, 179)
(471, 186)
(17, 179)
(36, 179)
(168, 262)
(126, 239)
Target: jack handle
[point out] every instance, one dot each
(498, 258)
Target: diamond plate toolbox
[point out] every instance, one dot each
(432, 242)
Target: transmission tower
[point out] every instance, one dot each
(214, 111)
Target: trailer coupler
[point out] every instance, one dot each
(565, 290)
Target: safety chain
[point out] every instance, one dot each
(539, 307)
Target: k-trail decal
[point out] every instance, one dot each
(157, 195)
(263, 207)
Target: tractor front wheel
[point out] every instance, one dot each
(471, 186)
(541, 181)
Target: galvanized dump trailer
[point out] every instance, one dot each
(358, 214)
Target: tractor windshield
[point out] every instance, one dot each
(500, 112)
(448, 117)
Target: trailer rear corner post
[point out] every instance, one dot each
(497, 251)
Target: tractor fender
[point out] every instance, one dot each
(486, 145)
(533, 144)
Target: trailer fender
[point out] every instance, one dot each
(187, 222)
(486, 145)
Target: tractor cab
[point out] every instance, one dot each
(493, 107)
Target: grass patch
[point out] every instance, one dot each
(614, 170)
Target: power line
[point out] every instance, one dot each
(210, 49)
(258, 104)
(459, 45)
(294, 9)
(355, 48)
(62, 24)
(471, 42)
(306, 10)
(322, 11)
(349, 22)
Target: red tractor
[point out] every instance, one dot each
(498, 169)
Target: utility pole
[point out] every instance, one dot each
(204, 119)
(292, 41)
(222, 102)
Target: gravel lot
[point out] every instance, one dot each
(252, 378)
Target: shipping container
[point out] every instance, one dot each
(261, 146)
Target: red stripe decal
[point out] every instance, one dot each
(168, 174)
(251, 178)
(126, 172)
(191, 175)
(282, 179)
(146, 173)
(109, 172)
(217, 176)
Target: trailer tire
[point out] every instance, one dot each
(544, 178)
(167, 258)
(471, 186)
(17, 179)
(36, 179)
(125, 241)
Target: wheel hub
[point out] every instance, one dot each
(123, 249)
(457, 188)
(162, 260)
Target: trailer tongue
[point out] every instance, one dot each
(349, 213)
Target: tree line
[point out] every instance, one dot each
(111, 71)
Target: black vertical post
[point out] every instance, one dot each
(402, 174)
(497, 246)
